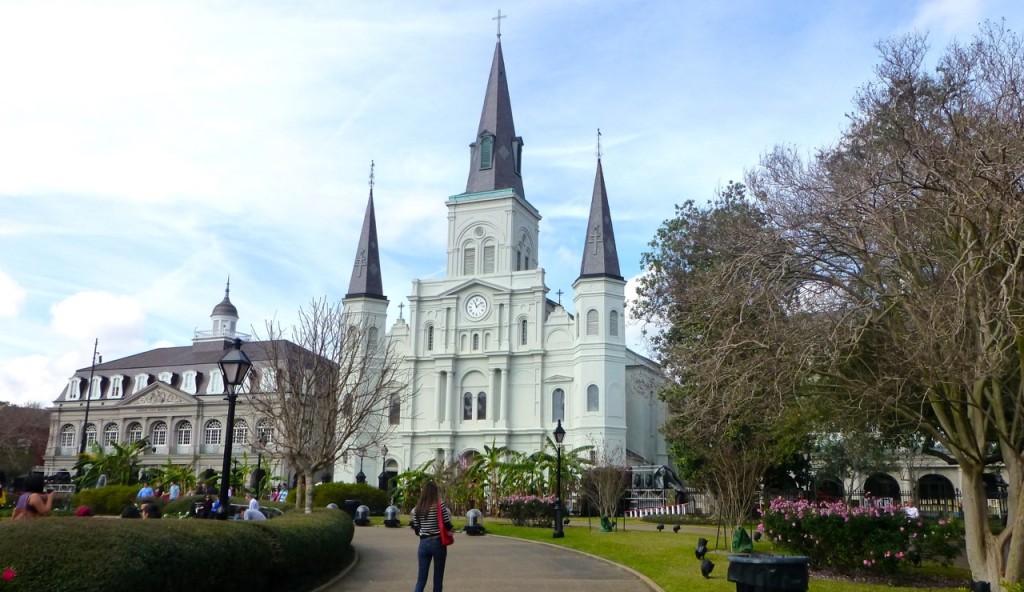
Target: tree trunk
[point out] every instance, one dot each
(992, 558)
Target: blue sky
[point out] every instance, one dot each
(150, 149)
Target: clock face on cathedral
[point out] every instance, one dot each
(476, 307)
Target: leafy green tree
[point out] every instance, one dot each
(726, 338)
(118, 464)
(904, 240)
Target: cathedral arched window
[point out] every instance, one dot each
(183, 433)
(489, 258)
(212, 433)
(486, 151)
(67, 436)
(593, 398)
(481, 405)
(158, 436)
(476, 341)
(469, 261)
(430, 338)
(593, 322)
(467, 406)
(395, 410)
(613, 323)
(372, 337)
(558, 405)
(523, 325)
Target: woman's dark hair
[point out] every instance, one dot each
(130, 512)
(152, 511)
(35, 483)
(428, 499)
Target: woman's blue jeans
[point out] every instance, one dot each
(431, 549)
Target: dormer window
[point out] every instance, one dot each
(216, 386)
(141, 380)
(74, 388)
(486, 151)
(94, 389)
(165, 377)
(116, 386)
(188, 382)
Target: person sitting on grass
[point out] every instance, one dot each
(151, 511)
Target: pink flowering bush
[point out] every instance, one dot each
(863, 537)
(528, 510)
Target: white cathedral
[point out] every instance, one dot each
(492, 360)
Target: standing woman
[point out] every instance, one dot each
(424, 522)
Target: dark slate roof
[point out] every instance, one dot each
(496, 119)
(201, 357)
(225, 308)
(366, 279)
(600, 259)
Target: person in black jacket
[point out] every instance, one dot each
(425, 524)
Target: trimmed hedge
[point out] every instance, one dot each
(336, 493)
(293, 552)
(109, 500)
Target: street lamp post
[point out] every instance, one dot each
(88, 399)
(559, 436)
(384, 465)
(234, 365)
(361, 476)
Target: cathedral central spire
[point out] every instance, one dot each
(496, 152)
(366, 279)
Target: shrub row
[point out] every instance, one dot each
(336, 493)
(864, 537)
(528, 510)
(293, 552)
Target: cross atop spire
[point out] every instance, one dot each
(498, 18)
(371, 176)
(599, 143)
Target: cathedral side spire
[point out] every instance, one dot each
(366, 278)
(600, 259)
(496, 152)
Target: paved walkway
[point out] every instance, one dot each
(387, 562)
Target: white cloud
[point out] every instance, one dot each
(88, 315)
(11, 295)
(948, 17)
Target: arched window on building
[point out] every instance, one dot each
(468, 261)
(476, 341)
(134, 432)
(430, 338)
(212, 433)
(90, 435)
(110, 434)
(67, 436)
(371, 339)
(593, 398)
(613, 323)
(183, 433)
(481, 405)
(488, 258)
(158, 437)
(522, 332)
(395, 410)
(240, 434)
(592, 322)
(486, 151)
(265, 430)
(467, 406)
(558, 405)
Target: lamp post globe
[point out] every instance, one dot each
(235, 366)
(559, 437)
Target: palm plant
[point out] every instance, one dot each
(117, 463)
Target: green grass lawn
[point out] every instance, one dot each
(668, 558)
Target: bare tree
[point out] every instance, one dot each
(338, 386)
(23, 437)
(909, 236)
(606, 482)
